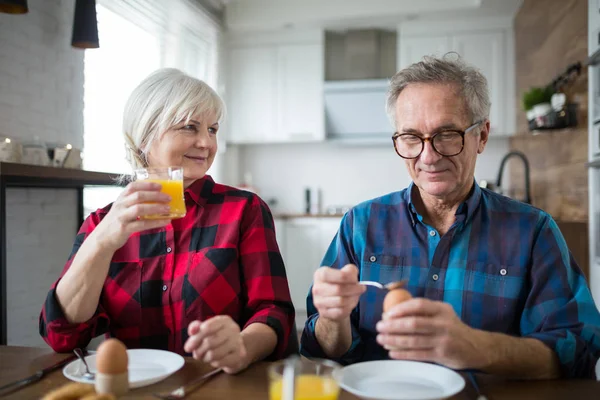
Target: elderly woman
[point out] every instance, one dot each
(212, 283)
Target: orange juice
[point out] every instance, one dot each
(173, 188)
(308, 387)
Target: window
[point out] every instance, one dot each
(136, 38)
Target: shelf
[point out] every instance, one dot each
(594, 164)
(41, 176)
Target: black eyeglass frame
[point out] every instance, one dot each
(462, 134)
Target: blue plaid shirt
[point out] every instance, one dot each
(504, 267)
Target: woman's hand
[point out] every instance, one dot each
(218, 341)
(126, 214)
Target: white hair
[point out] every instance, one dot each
(450, 69)
(167, 97)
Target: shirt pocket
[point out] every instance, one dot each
(493, 297)
(212, 285)
(382, 268)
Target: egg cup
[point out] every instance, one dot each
(117, 384)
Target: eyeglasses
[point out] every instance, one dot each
(447, 143)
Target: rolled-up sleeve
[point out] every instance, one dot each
(55, 329)
(559, 310)
(268, 293)
(339, 253)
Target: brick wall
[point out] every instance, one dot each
(41, 95)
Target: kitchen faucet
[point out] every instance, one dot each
(525, 163)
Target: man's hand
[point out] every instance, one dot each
(426, 330)
(217, 341)
(336, 292)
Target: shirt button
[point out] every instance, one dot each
(169, 249)
(503, 271)
(373, 259)
(164, 288)
(435, 277)
(431, 233)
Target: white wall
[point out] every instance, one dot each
(41, 95)
(346, 175)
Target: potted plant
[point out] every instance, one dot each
(537, 102)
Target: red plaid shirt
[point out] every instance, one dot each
(221, 258)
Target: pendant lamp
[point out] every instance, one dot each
(85, 25)
(13, 6)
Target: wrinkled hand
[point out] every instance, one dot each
(217, 341)
(425, 330)
(123, 218)
(336, 292)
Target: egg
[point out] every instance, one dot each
(111, 357)
(395, 297)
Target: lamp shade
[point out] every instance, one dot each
(13, 6)
(85, 25)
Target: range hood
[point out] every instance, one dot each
(355, 112)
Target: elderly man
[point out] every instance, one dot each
(495, 287)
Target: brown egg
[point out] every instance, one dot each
(394, 297)
(111, 358)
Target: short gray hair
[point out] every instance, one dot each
(164, 99)
(449, 69)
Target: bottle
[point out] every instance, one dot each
(312, 200)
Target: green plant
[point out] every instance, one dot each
(537, 95)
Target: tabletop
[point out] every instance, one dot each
(19, 362)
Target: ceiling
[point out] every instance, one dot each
(263, 15)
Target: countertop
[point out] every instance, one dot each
(304, 215)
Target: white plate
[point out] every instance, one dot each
(146, 366)
(400, 380)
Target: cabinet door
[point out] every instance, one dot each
(252, 94)
(300, 93)
(280, 236)
(329, 227)
(302, 252)
(413, 49)
(486, 50)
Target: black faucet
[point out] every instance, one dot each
(525, 163)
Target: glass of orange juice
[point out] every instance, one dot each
(316, 379)
(171, 180)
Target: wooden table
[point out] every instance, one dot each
(18, 362)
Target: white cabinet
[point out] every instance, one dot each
(486, 51)
(300, 92)
(252, 94)
(412, 49)
(275, 93)
(303, 255)
(303, 243)
(487, 46)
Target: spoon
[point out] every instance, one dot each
(87, 374)
(387, 286)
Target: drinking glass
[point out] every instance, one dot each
(171, 180)
(315, 380)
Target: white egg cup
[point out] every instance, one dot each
(117, 385)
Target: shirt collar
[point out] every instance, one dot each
(466, 208)
(200, 190)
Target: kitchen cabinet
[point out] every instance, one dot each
(300, 92)
(412, 49)
(252, 94)
(302, 256)
(275, 92)
(486, 50)
(488, 47)
(303, 243)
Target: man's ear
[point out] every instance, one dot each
(483, 136)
